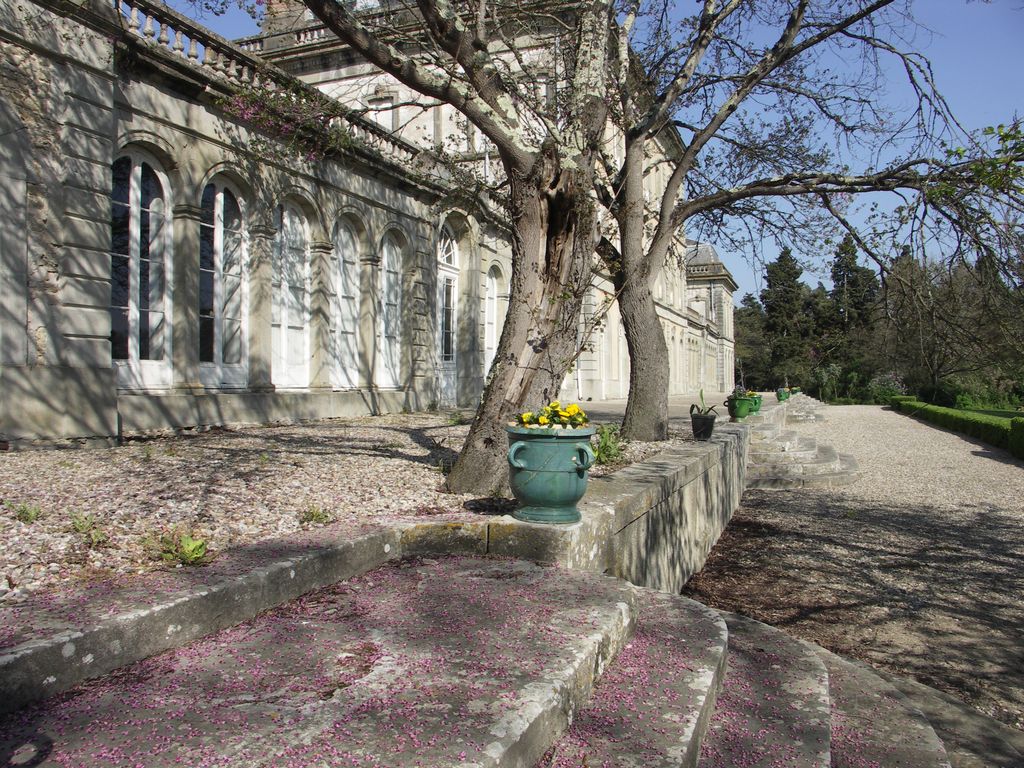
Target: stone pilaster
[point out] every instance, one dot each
(185, 318)
(369, 316)
(261, 250)
(320, 314)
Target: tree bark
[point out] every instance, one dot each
(553, 240)
(646, 415)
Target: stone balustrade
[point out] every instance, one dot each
(179, 36)
(251, 45)
(311, 35)
(163, 28)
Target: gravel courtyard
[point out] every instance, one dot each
(917, 568)
(69, 516)
(96, 510)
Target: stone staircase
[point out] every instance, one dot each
(465, 662)
(783, 458)
(375, 650)
(769, 700)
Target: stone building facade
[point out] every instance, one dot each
(164, 264)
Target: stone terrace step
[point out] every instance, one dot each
(846, 472)
(824, 460)
(806, 449)
(873, 723)
(971, 739)
(52, 642)
(801, 416)
(763, 433)
(456, 662)
(652, 706)
(782, 440)
(804, 408)
(774, 706)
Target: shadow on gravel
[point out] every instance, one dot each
(323, 438)
(936, 594)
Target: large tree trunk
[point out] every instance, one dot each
(647, 407)
(552, 248)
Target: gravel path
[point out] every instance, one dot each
(906, 461)
(916, 568)
(74, 516)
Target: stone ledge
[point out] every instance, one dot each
(444, 662)
(651, 524)
(45, 666)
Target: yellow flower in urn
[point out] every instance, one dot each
(553, 416)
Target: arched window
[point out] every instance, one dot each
(222, 288)
(447, 316)
(389, 362)
(140, 279)
(448, 291)
(345, 310)
(290, 304)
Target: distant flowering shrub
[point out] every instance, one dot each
(554, 416)
(885, 386)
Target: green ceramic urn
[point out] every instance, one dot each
(547, 470)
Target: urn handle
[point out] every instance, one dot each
(586, 456)
(512, 451)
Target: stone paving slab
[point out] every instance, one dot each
(56, 640)
(774, 706)
(652, 706)
(457, 662)
(873, 723)
(971, 739)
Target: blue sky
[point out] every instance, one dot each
(977, 54)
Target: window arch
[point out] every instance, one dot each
(223, 293)
(447, 294)
(290, 316)
(345, 308)
(140, 273)
(388, 371)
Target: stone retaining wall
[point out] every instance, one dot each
(652, 524)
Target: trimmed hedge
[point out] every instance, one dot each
(1017, 437)
(895, 400)
(992, 429)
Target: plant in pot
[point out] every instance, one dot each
(782, 394)
(739, 404)
(702, 419)
(756, 407)
(548, 457)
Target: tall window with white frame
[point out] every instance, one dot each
(491, 317)
(140, 266)
(447, 315)
(222, 288)
(388, 370)
(290, 304)
(345, 310)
